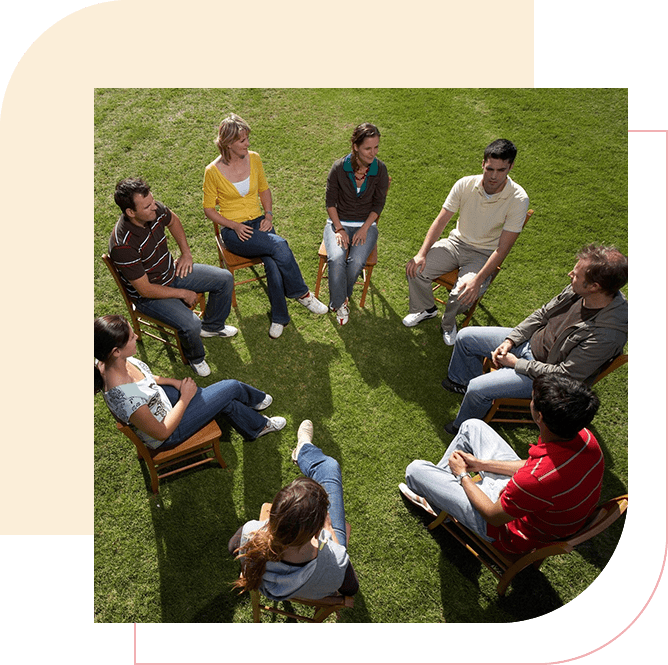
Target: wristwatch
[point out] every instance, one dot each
(460, 477)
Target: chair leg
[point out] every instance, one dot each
(153, 472)
(150, 465)
(255, 603)
(469, 315)
(219, 457)
(322, 614)
(439, 520)
(321, 272)
(234, 290)
(490, 414)
(536, 558)
(181, 351)
(137, 329)
(367, 281)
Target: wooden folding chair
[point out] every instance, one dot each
(505, 566)
(322, 608)
(366, 272)
(234, 262)
(449, 279)
(144, 324)
(204, 441)
(516, 409)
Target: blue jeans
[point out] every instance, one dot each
(284, 279)
(217, 283)
(437, 484)
(326, 471)
(471, 345)
(344, 270)
(231, 398)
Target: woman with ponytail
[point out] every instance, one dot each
(356, 189)
(165, 412)
(301, 550)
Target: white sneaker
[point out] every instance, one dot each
(342, 314)
(313, 304)
(415, 318)
(201, 369)
(304, 435)
(416, 499)
(450, 336)
(225, 331)
(273, 425)
(265, 403)
(275, 330)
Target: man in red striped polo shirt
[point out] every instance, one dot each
(520, 504)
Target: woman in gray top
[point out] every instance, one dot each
(301, 550)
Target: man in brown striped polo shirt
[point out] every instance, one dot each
(161, 286)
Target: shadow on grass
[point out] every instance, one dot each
(411, 361)
(190, 517)
(295, 366)
(468, 588)
(196, 573)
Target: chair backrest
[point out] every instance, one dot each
(142, 448)
(610, 366)
(121, 287)
(216, 232)
(605, 515)
(527, 218)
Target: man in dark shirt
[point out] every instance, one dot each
(159, 286)
(574, 335)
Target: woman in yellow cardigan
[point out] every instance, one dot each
(236, 184)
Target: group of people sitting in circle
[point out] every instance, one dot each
(551, 357)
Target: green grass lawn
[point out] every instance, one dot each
(371, 388)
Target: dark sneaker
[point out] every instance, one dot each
(453, 387)
(451, 428)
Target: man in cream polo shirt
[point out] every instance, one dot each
(491, 209)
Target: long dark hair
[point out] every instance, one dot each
(111, 332)
(297, 514)
(361, 132)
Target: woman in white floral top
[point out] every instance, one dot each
(165, 412)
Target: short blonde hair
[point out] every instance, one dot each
(229, 131)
